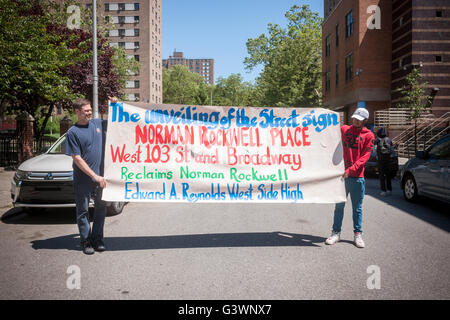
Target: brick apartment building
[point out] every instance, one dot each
(421, 39)
(365, 60)
(138, 29)
(204, 67)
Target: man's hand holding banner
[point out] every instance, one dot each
(178, 153)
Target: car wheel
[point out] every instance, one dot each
(115, 208)
(410, 189)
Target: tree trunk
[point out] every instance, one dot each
(415, 136)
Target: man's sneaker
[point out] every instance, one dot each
(335, 237)
(382, 193)
(87, 248)
(358, 240)
(99, 246)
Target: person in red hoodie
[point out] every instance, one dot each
(357, 143)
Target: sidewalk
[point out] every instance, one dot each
(6, 177)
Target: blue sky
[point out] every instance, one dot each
(219, 29)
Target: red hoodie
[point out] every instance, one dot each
(358, 144)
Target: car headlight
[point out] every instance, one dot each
(21, 175)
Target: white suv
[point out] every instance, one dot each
(46, 181)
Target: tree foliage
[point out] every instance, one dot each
(232, 91)
(32, 58)
(44, 63)
(414, 98)
(180, 86)
(414, 95)
(291, 60)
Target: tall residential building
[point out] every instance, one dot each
(356, 60)
(204, 67)
(369, 46)
(421, 39)
(137, 28)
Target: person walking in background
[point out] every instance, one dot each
(357, 143)
(384, 149)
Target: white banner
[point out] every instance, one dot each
(179, 153)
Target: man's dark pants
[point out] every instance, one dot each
(83, 192)
(384, 175)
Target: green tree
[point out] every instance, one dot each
(44, 63)
(414, 99)
(32, 59)
(180, 86)
(232, 91)
(291, 60)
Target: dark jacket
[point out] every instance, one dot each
(382, 135)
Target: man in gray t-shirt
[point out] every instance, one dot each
(85, 144)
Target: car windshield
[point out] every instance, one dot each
(59, 147)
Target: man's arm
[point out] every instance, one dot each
(80, 163)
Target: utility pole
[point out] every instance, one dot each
(94, 60)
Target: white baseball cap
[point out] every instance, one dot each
(361, 114)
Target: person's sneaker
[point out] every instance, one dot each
(87, 247)
(359, 242)
(335, 237)
(382, 193)
(99, 246)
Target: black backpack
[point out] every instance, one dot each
(384, 147)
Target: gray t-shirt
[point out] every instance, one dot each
(87, 141)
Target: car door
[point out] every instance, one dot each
(438, 167)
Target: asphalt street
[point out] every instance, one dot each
(237, 251)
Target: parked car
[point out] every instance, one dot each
(428, 174)
(371, 168)
(46, 181)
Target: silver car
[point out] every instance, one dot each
(428, 174)
(46, 181)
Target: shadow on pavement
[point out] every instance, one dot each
(43, 217)
(431, 211)
(263, 239)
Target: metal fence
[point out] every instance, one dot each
(9, 147)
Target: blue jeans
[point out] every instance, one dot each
(356, 188)
(83, 194)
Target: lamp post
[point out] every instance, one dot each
(94, 60)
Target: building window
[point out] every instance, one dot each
(328, 45)
(136, 6)
(438, 58)
(327, 81)
(349, 67)
(349, 24)
(337, 35)
(439, 14)
(337, 74)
